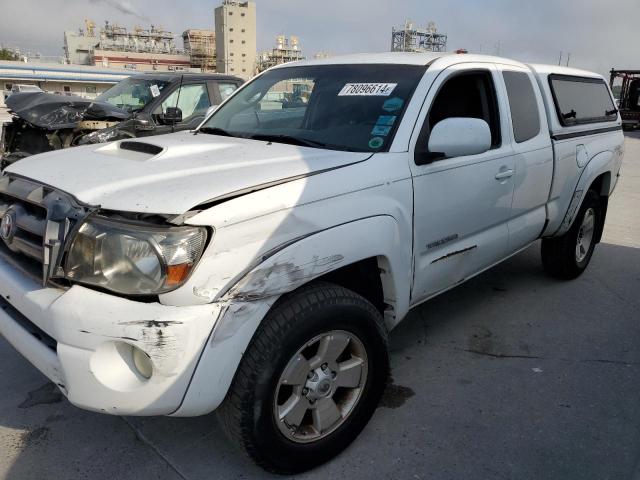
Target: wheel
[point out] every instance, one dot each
(309, 381)
(566, 257)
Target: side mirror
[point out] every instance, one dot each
(458, 137)
(171, 116)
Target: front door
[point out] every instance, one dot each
(192, 99)
(462, 205)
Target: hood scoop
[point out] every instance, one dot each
(141, 147)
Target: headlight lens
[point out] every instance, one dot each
(133, 260)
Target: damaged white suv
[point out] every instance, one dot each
(258, 263)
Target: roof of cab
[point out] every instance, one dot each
(559, 70)
(445, 59)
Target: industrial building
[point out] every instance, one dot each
(286, 50)
(200, 45)
(115, 46)
(88, 82)
(236, 38)
(414, 39)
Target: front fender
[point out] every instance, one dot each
(249, 300)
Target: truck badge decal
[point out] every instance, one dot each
(442, 241)
(7, 226)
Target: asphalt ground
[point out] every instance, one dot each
(511, 375)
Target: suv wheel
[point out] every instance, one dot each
(310, 380)
(566, 257)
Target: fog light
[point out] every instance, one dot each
(142, 362)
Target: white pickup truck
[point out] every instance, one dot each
(258, 263)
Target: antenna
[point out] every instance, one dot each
(173, 125)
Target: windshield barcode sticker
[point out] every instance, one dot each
(155, 91)
(367, 89)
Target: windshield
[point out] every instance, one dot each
(133, 94)
(339, 107)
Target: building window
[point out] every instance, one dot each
(7, 86)
(231, 41)
(231, 54)
(231, 29)
(230, 13)
(243, 42)
(91, 89)
(243, 30)
(232, 69)
(244, 54)
(244, 69)
(66, 88)
(242, 14)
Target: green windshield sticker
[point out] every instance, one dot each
(386, 120)
(376, 142)
(393, 104)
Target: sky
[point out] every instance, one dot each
(598, 34)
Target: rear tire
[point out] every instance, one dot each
(567, 256)
(303, 355)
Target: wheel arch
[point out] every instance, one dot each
(368, 256)
(598, 175)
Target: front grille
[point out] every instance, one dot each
(36, 221)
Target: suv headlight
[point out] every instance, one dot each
(131, 259)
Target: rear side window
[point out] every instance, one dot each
(581, 100)
(525, 116)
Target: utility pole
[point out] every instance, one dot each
(560, 59)
(568, 58)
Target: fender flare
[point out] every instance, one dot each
(598, 165)
(251, 298)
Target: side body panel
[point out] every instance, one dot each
(461, 208)
(533, 162)
(575, 148)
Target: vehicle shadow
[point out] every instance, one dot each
(464, 380)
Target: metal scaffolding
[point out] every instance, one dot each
(413, 39)
(200, 45)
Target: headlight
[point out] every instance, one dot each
(133, 260)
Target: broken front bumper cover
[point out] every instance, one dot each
(80, 339)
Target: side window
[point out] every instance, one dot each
(226, 89)
(525, 116)
(193, 100)
(470, 95)
(582, 100)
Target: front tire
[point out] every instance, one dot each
(567, 256)
(309, 381)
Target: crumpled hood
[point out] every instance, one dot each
(52, 112)
(170, 174)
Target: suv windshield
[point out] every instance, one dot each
(133, 94)
(339, 107)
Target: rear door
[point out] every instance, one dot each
(461, 205)
(528, 133)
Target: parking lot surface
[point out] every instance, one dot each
(511, 375)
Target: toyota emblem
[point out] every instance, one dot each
(8, 226)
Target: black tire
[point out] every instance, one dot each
(559, 253)
(247, 414)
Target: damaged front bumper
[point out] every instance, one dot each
(82, 341)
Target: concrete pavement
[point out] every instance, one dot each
(511, 375)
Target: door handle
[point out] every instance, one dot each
(504, 174)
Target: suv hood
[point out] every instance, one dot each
(171, 174)
(52, 112)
